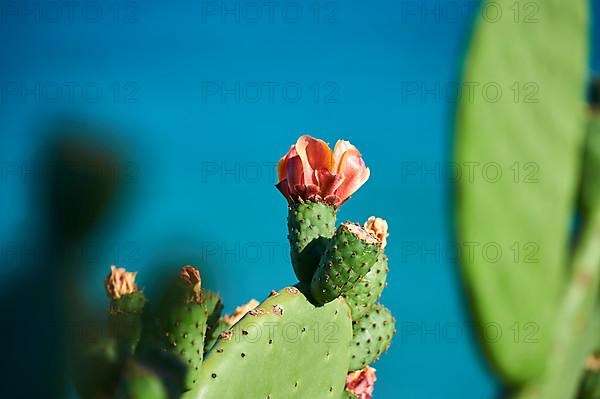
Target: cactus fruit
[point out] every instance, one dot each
(368, 290)
(181, 321)
(310, 225)
(348, 257)
(125, 309)
(273, 350)
(372, 335)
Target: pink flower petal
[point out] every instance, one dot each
(361, 382)
(283, 163)
(355, 173)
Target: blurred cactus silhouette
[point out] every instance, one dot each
(547, 295)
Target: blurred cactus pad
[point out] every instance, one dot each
(541, 291)
(314, 339)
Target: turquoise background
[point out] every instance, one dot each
(232, 223)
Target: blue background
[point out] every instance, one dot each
(172, 134)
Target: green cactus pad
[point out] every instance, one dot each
(139, 382)
(125, 319)
(181, 325)
(372, 335)
(285, 348)
(524, 144)
(368, 290)
(214, 306)
(348, 257)
(348, 395)
(96, 369)
(310, 225)
(213, 333)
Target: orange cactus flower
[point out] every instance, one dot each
(310, 171)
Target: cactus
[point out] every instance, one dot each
(298, 343)
(139, 382)
(181, 321)
(372, 335)
(549, 288)
(272, 351)
(310, 225)
(368, 290)
(349, 255)
(126, 307)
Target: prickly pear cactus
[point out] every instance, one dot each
(531, 132)
(181, 321)
(348, 257)
(310, 225)
(299, 342)
(368, 290)
(139, 382)
(125, 309)
(284, 348)
(372, 335)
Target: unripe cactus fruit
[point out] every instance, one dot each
(181, 321)
(348, 257)
(368, 290)
(214, 324)
(310, 225)
(372, 335)
(125, 309)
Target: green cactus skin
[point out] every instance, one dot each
(285, 348)
(213, 304)
(348, 395)
(97, 368)
(347, 259)
(212, 334)
(368, 290)
(125, 320)
(590, 386)
(310, 225)
(139, 382)
(372, 335)
(181, 325)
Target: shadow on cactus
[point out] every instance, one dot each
(315, 339)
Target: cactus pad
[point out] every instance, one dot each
(181, 322)
(125, 319)
(310, 225)
(348, 257)
(372, 335)
(284, 348)
(368, 290)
